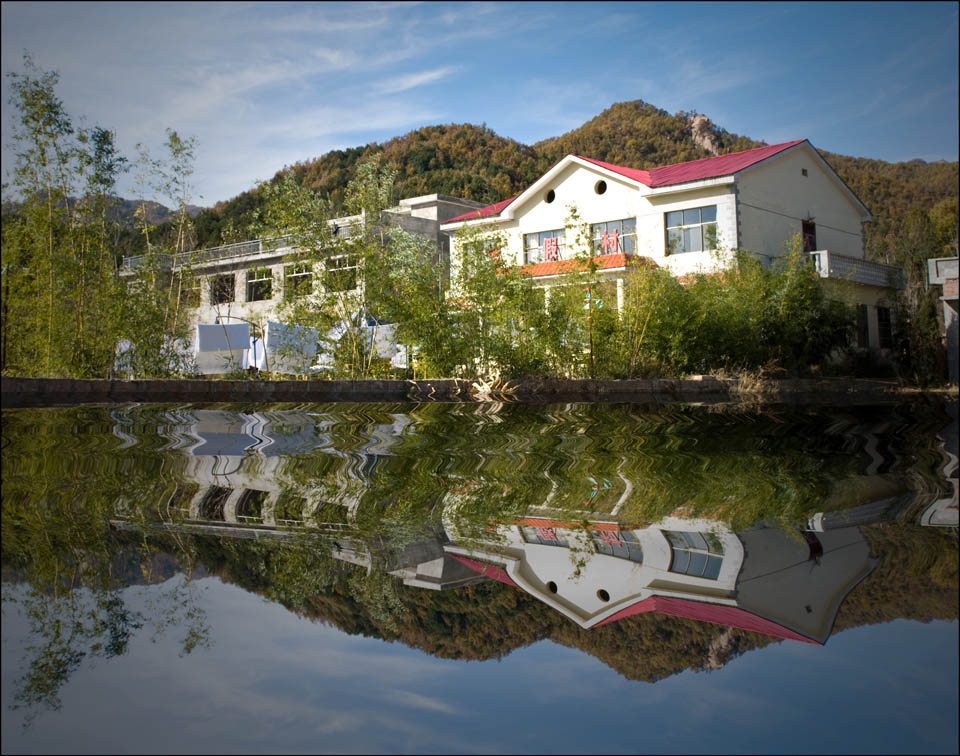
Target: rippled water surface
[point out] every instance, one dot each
(480, 578)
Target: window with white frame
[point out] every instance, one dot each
(619, 543)
(544, 536)
(543, 246)
(341, 273)
(691, 230)
(615, 237)
(297, 280)
(259, 284)
(694, 553)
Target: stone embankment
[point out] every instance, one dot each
(51, 392)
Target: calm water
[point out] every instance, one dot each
(480, 578)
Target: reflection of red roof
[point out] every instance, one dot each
(604, 262)
(697, 170)
(495, 209)
(718, 614)
(487, 570)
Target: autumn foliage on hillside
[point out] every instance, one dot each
(474, 162)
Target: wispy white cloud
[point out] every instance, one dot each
(412, 80)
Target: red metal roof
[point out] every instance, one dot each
(665, 175)
(495, 209)
(487, 570)
(718, 614)
(697, 170)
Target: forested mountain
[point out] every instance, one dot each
(476, 163)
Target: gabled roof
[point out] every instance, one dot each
(718, 614)
(666, 175)
(495, 209)
(487, 570)
(698, 170)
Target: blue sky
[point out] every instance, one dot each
(261, 86)
(272, 682)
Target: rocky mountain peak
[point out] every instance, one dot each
(704, 133)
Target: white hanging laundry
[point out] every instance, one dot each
(220, 347)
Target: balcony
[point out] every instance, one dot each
(834, 266)
(342, 227)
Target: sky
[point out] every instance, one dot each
(264, 85)
(273, 682)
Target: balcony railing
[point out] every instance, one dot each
(831, 265)
(344, 227)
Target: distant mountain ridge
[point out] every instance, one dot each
(474, 162)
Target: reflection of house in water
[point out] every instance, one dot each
(236, 464)
(781, 583)
(787, 584)
(943, 512)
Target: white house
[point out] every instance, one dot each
(689, 217)
(765, 580)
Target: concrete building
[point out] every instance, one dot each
(943, 271)
(245, 282)
(690, 217)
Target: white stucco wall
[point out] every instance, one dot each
(534, 566)
(653, 221)
(774, 198)
(575, 185)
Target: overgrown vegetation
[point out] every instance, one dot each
(66, 310)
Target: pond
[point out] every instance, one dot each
(480, 577)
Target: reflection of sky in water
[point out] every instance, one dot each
(274, 682)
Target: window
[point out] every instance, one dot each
(221, 289)
(259, 284)
(290, 509)
(695, 554)
(297, 280)
(341, 273)
(250, 505)
(809, 230)
(884, 329)
(545, 245)
(613, 237)
(623, 544)
(863, 327)
(211, 507)
(544, 536)
(190, 292)
(692, 230)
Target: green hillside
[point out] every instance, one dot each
(476, 163)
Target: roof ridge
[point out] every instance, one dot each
(782, 145)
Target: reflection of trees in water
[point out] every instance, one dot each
(66, 570)
(385, 483)
(80, 624)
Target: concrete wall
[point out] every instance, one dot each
(653, 221)
(774, 198)
(47, 392)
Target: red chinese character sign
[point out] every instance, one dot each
(610, 243)
(610, 537)
(551, 248)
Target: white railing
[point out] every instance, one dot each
(831, 265)
(343, 227)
